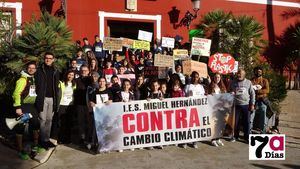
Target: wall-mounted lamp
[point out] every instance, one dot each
(189, 17)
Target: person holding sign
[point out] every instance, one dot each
(194, 89)
(125, 95)
(217, 87)
(101, 95)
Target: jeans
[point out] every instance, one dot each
(259, 115)
(46, 119)
(242, 117)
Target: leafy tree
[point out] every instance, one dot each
(47, 33)
(240, 36)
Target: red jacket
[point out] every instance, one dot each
(178, 93)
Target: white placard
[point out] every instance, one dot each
(168, 42)
(144, 35)
(201, 46)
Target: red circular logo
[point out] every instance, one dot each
(222, 63)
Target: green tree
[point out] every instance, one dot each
(47, 33)
(240, 36)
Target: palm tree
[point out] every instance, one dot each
(48, 33)
(239, 36)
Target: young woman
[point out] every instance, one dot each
(140, 88)
(155, 92)
(67, 87)
(93, 65)
(163, 89)
(216, 87)
(194, 89)
(125, 95)
(176, 90)
(101, 95)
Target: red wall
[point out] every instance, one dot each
(82, 15)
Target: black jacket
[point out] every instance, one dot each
(41, 86)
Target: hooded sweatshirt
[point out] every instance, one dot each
(24, 92)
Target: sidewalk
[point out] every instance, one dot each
(232, 155)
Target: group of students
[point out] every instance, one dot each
(61, 104)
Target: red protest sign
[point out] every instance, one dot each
(222, 63)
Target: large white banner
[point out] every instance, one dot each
(161, 122)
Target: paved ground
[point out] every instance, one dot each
(232, 155)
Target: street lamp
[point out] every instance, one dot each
(189, 17)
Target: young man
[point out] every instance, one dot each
(86, 45)
(244, 103)
(47, 100)
(24, 97)
(98, 49)
(261, 87)
(80, 102)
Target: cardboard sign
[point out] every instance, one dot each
(112, 44)
(180, 54)
(130, 77)
(222, 63)
(151, 72)
(137, 44)
(126, 42)
(163, 72)
(188, 66)
(144, 35)
(163, 60)
(168, 42)
(201, 46)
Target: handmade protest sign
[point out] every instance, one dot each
(168, 42)
(222, 63)
(152, 72)
(163, 60)
(136, 124)
(144, 35)
(188, 66)
(137, 44)
(130, 77)
(201, 46)
(126, 42)
(180, 54)
(112, 44)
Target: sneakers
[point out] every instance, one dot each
(220, 143)
(23, 155)
(195, 145)
(232, 140)
(214, 143)
(132, 149)
(38, 149)
(120, 151)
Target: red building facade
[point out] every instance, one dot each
(111, 18)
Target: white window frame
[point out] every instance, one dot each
(103, 15)
(18, 7)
